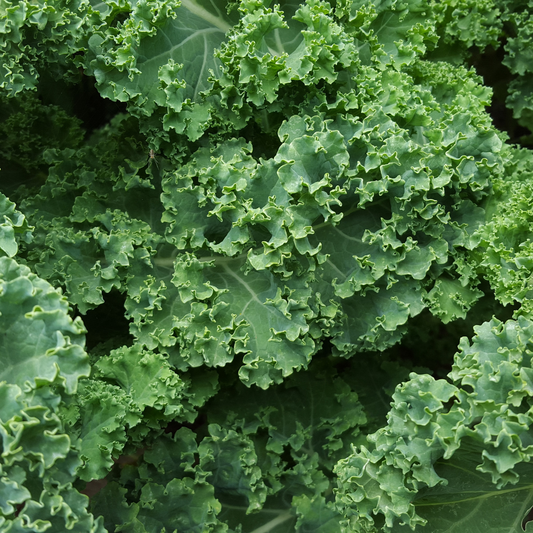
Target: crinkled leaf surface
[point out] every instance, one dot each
(470, 501)
(486, 412)
(40, 343)
(12, 228)
(42, 357)
(290, 191)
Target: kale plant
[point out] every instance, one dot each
(266, 266)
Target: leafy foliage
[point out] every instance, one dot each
(301, 209)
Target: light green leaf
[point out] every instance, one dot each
(162, 60)
(181, 504)
(13, 227)
(40, 343)
(470, 502)
(104, 411)
(450, 300)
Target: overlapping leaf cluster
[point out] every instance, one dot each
(43, 359)
(245, 256)
(505, 25)
(323, 183)
(485, 411)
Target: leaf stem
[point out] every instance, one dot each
(199, 11)
(265, 528)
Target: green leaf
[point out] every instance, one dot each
(146, 377)
(101, 432)
(470, 502)
(56, 27)
(450, 299)
(230, 461)
(181, 504)
(40, 343)
(470, 22)
(13, 227)
(139, 65)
